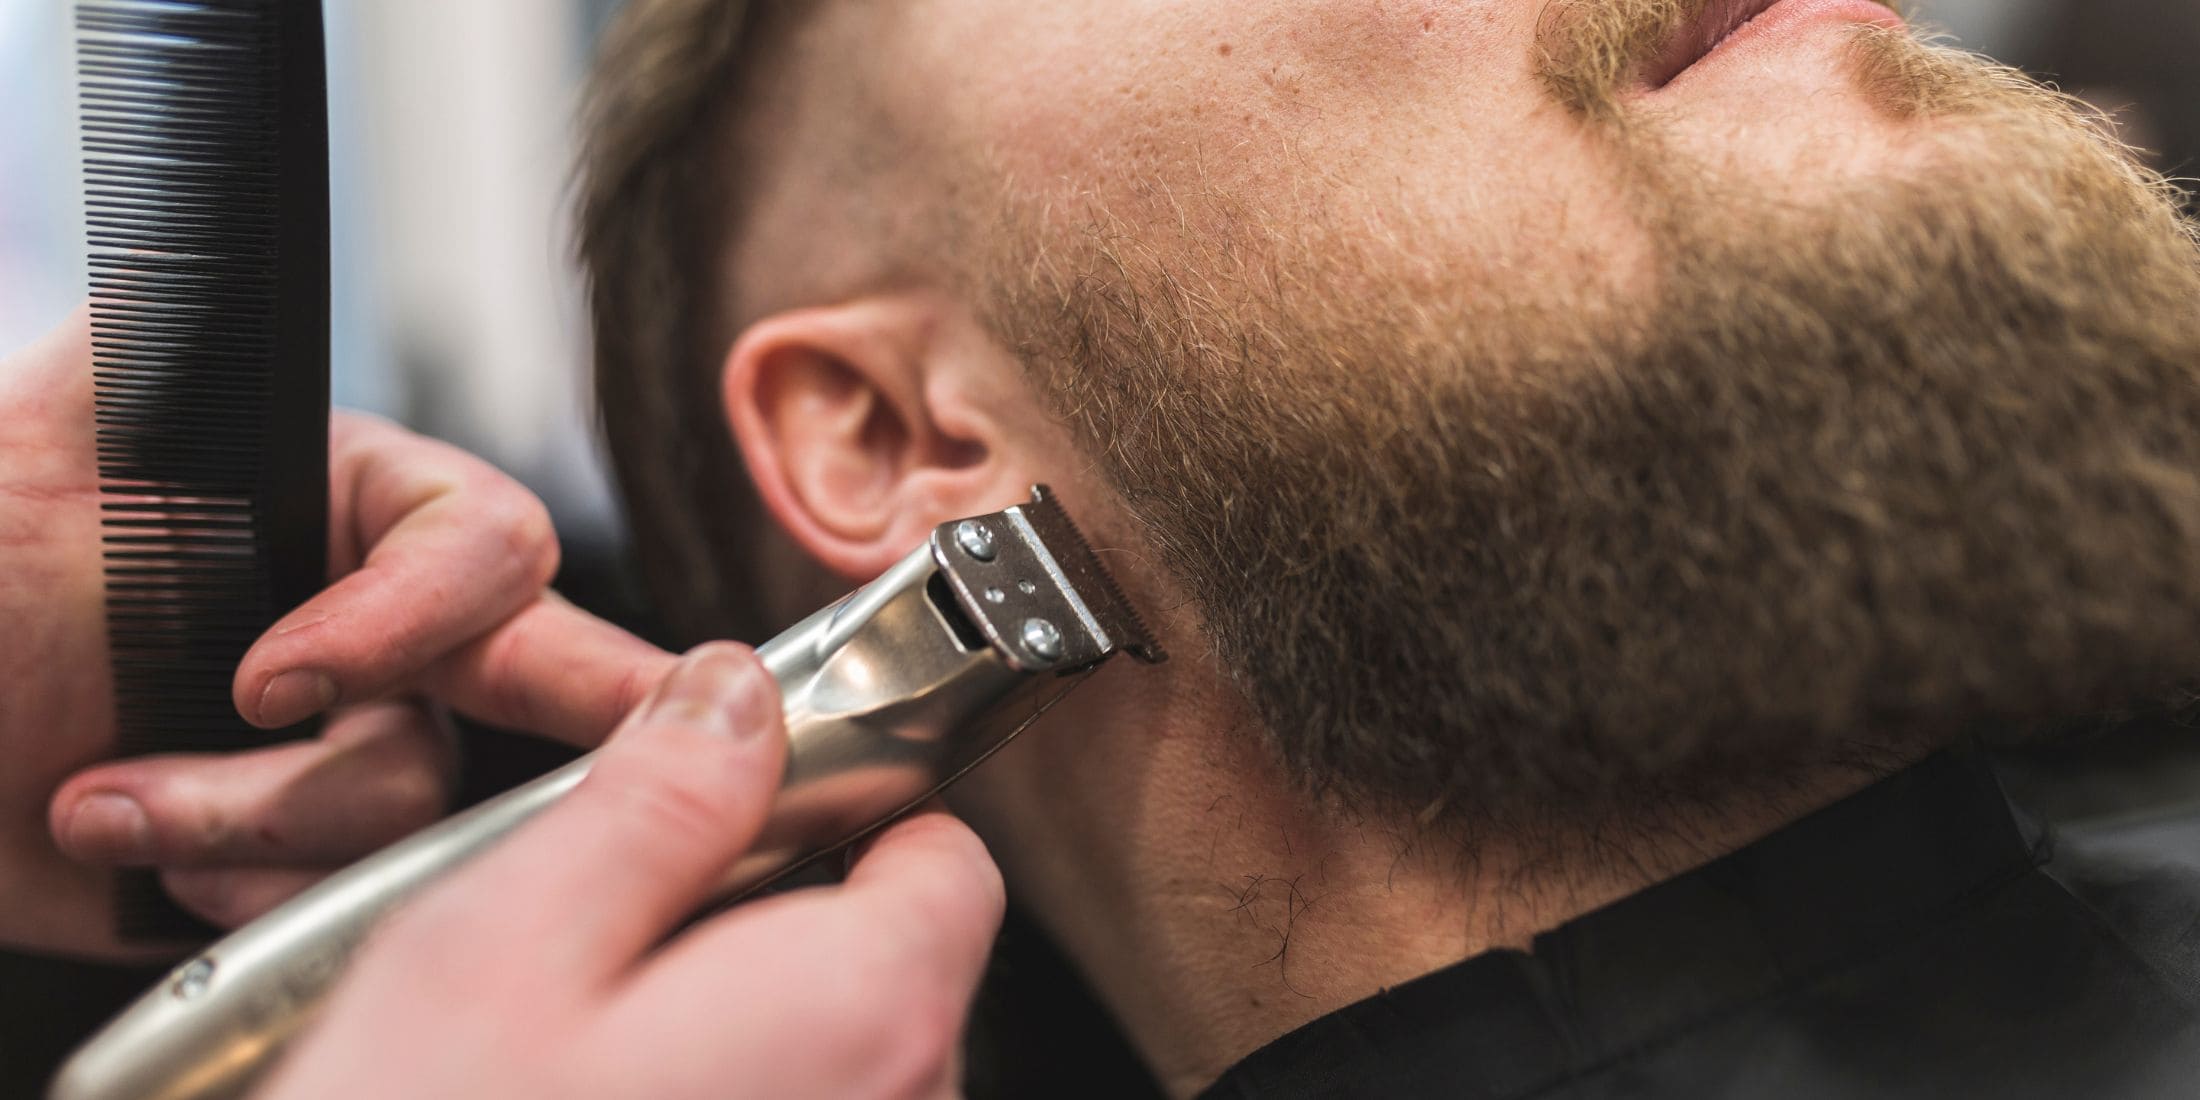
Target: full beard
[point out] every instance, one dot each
(1915, 459)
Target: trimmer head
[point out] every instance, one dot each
(1037, 591)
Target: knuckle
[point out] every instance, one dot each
(667, 804)
(505, 665)
(633, 687)
(522, 525)
(213, 896)
(192, 833)
(413, 797)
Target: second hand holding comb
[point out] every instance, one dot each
(890, 695)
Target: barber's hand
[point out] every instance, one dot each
(539, 972)
(441, 564)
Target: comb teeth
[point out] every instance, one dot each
(206, 208)
(206, 214)
(1094, 584)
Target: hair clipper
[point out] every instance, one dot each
(890, 695)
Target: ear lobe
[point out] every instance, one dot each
(850, 420)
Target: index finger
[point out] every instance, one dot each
(931, 876)
(551, 670)
(445, 546)
(884, 966)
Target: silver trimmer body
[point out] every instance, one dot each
(890, 695)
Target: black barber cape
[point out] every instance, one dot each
(1920, 939)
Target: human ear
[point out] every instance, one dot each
(866, 424)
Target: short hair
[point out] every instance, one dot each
(653, 203)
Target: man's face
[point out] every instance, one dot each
(1527, 400)
(1374, 117)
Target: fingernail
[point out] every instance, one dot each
(110, 827)
(715, 692)
(295, 696)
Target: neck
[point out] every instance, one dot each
(1215, 909)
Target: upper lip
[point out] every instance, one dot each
(1699, 36)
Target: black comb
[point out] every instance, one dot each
(205, 138)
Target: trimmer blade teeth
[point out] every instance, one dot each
(1126, 630)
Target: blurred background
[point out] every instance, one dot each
(458, 313)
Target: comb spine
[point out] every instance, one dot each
(297, 493)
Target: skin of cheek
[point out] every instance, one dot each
(1397, 110)
(1417, 122)
(1405, 114)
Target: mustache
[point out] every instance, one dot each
(1589, 51)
